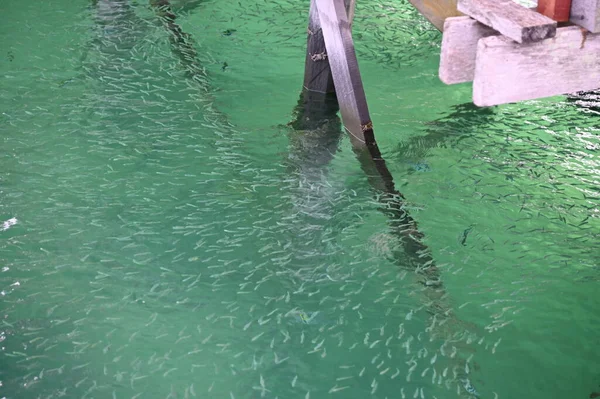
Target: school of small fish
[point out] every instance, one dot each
(163, 249)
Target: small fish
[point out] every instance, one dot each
(470, 388)
(465, 234)
(336, 388)
(7, 224)
(257, 336)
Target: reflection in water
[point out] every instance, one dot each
(316, 133)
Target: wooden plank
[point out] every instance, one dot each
(586, 13)
(511, 19)
(507, 72)
(558, 10)
(344, 68)
(436, 11)
(459, 48)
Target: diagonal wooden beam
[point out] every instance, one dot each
(344, 68)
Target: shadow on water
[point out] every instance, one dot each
(316, 132)
(461, 123)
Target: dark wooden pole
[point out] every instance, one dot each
(317, 73)
(318, 101)
(331, 55)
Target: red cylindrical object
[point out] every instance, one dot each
(558, 10)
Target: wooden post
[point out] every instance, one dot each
(317, 72)
(345, 72)
(317, 103)
(558, 10)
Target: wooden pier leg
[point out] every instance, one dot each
(344, 69)
(356, 119)
(317, 103)
(317, 72)
(352, 103)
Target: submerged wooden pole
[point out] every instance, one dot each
(356, 119)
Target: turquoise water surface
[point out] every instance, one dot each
(166, 234)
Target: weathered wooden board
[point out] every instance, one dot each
(586, 13)
(511, 19)
(436, 11)
(459, 48)
(344, 68)
(558, 10)
(508, 72)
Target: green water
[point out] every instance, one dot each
(170, 242)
